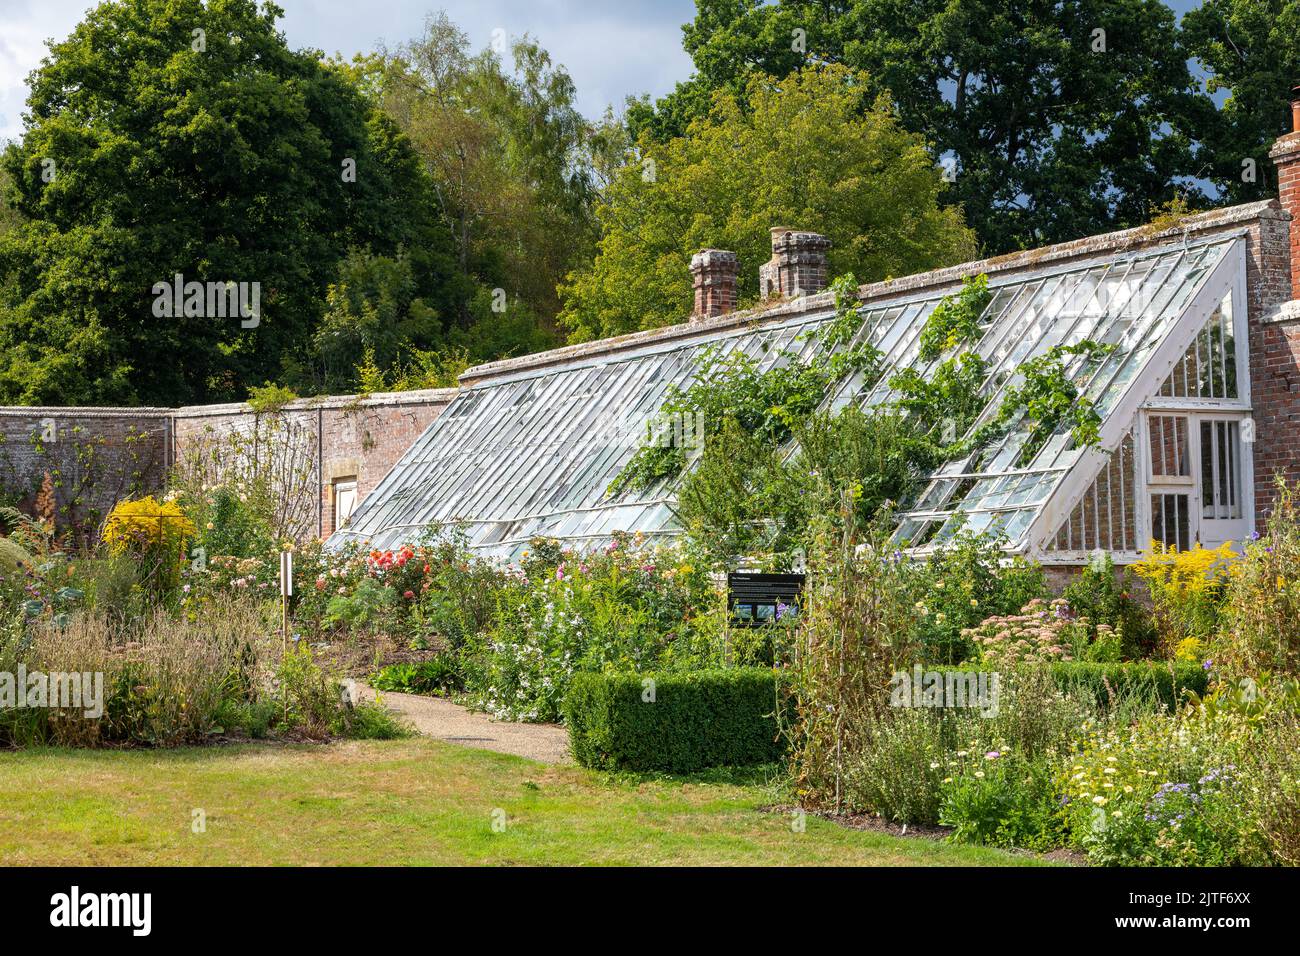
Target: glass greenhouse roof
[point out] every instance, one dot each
(533, 452)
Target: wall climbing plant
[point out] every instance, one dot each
(745, 495)
(955, 321)
(767, 404)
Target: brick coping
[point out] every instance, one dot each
(425, 396)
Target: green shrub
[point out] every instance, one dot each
(253, 718)
(1108, 684)
(1008, 801)
(437, 676)
(984, 773)
(631, 606)
(1140, 685)
(368, 606)
(372, 721)
(678, 723)
(236, 522)
(1260, 627)
(1103, 595)
(968, 579)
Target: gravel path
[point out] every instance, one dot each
(443, 720)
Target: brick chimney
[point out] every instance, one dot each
(797, 266)
(1286, 154)
(714, 274)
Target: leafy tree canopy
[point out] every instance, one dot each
(1251, 51)
(1056, 119)
(814, 150)
(171, 137)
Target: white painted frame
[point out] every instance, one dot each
(1228, 277)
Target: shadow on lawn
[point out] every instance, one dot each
(760, 775)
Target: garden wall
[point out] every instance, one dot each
(95, 456)
(331, 439)
(86, 458)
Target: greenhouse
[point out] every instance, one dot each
(531, 447)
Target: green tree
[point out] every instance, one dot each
(1251, 50)
(813, 150)
(372, 310)
(506, 151)
(1056, 118)
(181, 137)
(10, 218)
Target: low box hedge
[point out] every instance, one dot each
(1159, 680)
(1168, 682)
(696, 719)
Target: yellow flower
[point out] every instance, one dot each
(147, 523)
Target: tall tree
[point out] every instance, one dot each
(810, 150)
(1251, 52)
(506, 150)
(1054, 118)
(171, 137)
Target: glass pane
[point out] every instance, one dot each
(1171, 520)
(1208, 369)
(1220, 470)
(1168, 434)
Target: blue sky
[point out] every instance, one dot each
(612, 48)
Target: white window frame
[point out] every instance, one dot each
(1157, 370)
(340, 485)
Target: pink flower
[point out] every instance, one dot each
(409, 595)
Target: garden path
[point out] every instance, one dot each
(443, 720)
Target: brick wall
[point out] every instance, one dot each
(93, 457)
(96, 456)
(1273, 278)
(336, 438)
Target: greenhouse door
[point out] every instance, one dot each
(1196, 476)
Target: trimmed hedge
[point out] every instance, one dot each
(1159, 679)
(698, 719)
(1168, 682)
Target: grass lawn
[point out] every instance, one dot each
(403, 802)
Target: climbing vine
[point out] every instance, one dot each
(770, 404)
(955, 320)
(1047, 398)
(947, 402)
(766, 403)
